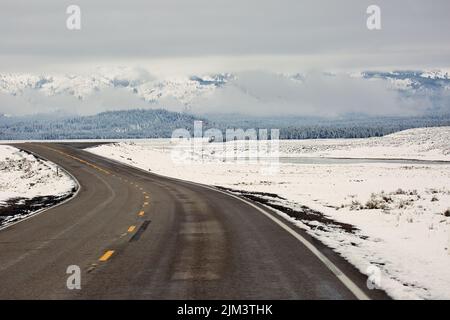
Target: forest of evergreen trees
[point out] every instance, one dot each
(161, 123)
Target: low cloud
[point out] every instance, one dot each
(251, 93)
(318, 94)
(35, 102)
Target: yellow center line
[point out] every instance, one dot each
(141, 213)
(78, 159)
(131, 228)
(107, 255)
(146, 197)
(145, 203)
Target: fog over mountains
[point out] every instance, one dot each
(133, 103)
(373, 93)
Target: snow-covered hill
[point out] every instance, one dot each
(418, 143)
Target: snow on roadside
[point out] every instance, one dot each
(401, 211)
(25, 181)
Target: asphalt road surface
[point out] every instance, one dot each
(137, 235)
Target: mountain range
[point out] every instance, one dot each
(186, 91)
(146, 87)
(151, 112)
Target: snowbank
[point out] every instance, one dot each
(28, 184)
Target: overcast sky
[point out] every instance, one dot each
(171, 35)
(255, 39)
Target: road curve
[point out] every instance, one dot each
(136, 235)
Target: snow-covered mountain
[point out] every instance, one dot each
(182, 89)
(415, 81)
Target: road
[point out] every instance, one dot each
(136, 235)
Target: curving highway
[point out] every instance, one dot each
(137, 235)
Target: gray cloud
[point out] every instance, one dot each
(33, 33)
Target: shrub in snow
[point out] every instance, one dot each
(356, 205)
(400, 191)
(376, 202)
(404, 203)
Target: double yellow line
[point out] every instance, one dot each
(108, 254)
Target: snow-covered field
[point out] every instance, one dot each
(400, 211)
(28, 184)
(421, 144)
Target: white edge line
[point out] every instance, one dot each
(357, 292)
(34, 214)
(330, 265)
